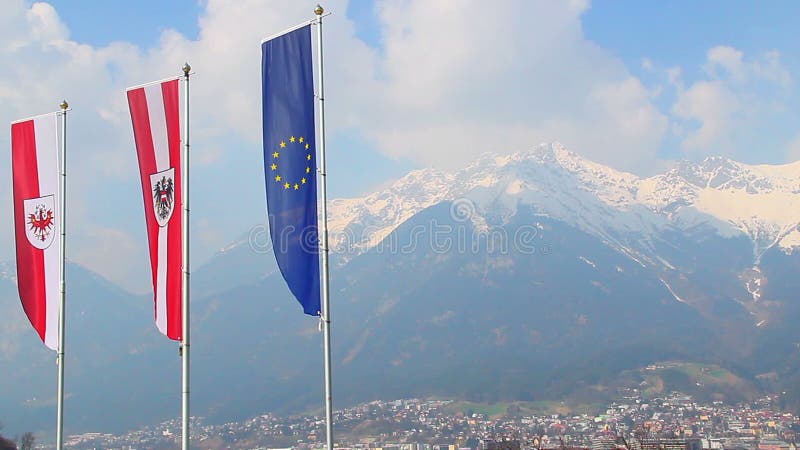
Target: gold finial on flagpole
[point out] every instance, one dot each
(318, 10)
(64, 105)
(186, 69)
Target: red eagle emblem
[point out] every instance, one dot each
(41, 222)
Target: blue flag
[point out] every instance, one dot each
(290, 162)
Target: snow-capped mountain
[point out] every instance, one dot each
(760, 201)
(357, 224)
(695, 264)
(728, 197)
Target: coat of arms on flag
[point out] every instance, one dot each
(163, 189)
(37, 227)
(40, 221)
(156, 131)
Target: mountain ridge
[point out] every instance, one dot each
(759, 190)
(526, 276)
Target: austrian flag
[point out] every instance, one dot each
(156, 128)
(34, 155)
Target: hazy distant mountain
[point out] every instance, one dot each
(114, 357)
(534, 275)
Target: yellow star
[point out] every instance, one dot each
(286, 185)
(302, 139)
(277, 178)
(308, 156)
(306, 146)
(303, 180)
(292, 139)
(296, 186)
(275, 154)
(308, 169)
(274, 166)
(283, 144)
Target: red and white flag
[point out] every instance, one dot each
(34, 159)
(156, 128)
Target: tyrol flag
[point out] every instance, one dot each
(290, 162)
(34, 149)
(156, 128)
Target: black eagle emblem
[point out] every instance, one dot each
(163, 196)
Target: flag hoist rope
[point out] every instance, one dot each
(185, 280)
(62, 276)
(326, 306)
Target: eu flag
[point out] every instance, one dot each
(290, 162)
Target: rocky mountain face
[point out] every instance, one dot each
(529, 276)
(638, 217)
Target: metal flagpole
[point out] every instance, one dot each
(185, 282)
(326, 305)
(62, 275)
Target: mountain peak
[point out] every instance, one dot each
(553, 153)
(714, 172)
(722, 195)
(419, 177)
(550, 152)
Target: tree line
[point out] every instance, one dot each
(24, 442)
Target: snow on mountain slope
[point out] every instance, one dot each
(554, 181)
(728, 197)
(761, 201)
(357, 224)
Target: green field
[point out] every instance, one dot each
(501, 409)
(699, 380)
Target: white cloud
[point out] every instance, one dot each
(115, 254)
(627, 106)
(771, 69)
(714, 107)
(715, 113)
(460, 78)
(724, 62)
(728, 59)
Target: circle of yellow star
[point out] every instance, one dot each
(284, 178)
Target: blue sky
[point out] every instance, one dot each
(409, 84)
(679, 34)
(100, 23)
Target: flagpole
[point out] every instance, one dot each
(185, 281)
(62, 276)
(326, 306)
